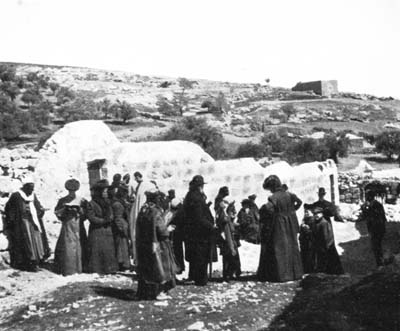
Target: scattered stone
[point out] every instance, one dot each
(193, 310)
(32, 308)
(199, 325)
(161, 303)
(75, 305)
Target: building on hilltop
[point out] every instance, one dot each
(325, 88)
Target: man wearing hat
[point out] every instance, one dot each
(327, 257)
(24, 228)
(199, 231)
(329, 209)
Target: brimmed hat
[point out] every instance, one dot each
(72, 184)
(321, 190)
(101, 184)
(317, 210)
(197, 181)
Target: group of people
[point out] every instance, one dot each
(156, 233)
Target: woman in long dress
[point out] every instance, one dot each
(69, 252)
(156, 267)
(101, 246)
(280, 259)
(120, 208)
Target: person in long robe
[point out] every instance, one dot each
(249, 227)
(69, 252)
(120, 208)
(24, 228)
(140, 199)
(177, 236)
(306, 239)
(199, 231)
(327, 257)
(373, 213)
(101, 246)
(280, 259)
(155, 261)
(229, 243)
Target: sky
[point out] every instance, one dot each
(287, 41)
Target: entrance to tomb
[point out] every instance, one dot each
(332, 187)
(97, 170)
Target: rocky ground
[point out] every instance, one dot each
(363, 299)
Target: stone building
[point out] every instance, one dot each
(325, 88)
(78, 146)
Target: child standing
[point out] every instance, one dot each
(229, 242)
(306, 239)
(327, 257)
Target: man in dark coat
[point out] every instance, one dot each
(199, 231)
(329, 209)
(327, 257)
(24, 228)
(374, 214)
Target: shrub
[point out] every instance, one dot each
(32, 96)
(198, 131)
(306, 150)
(125, 111)
(7, 73)
(250, 149)
(388, 143)
(79, 109)
(277, 142)
(288, 109)
(64, 95)
(165, 107)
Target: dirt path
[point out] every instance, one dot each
(108, 304)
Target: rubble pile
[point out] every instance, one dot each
(350, 188)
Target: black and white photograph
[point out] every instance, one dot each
(172, 165)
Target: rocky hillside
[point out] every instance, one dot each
(238, 109)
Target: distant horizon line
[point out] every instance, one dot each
(176, 77)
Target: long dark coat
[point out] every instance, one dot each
(327, 257)
(280, 256)
(152, 235)
(27, 243)
(101, 247)
(69, 252)
(198, 229)
(121, 232)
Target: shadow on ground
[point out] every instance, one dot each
(352, 301)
